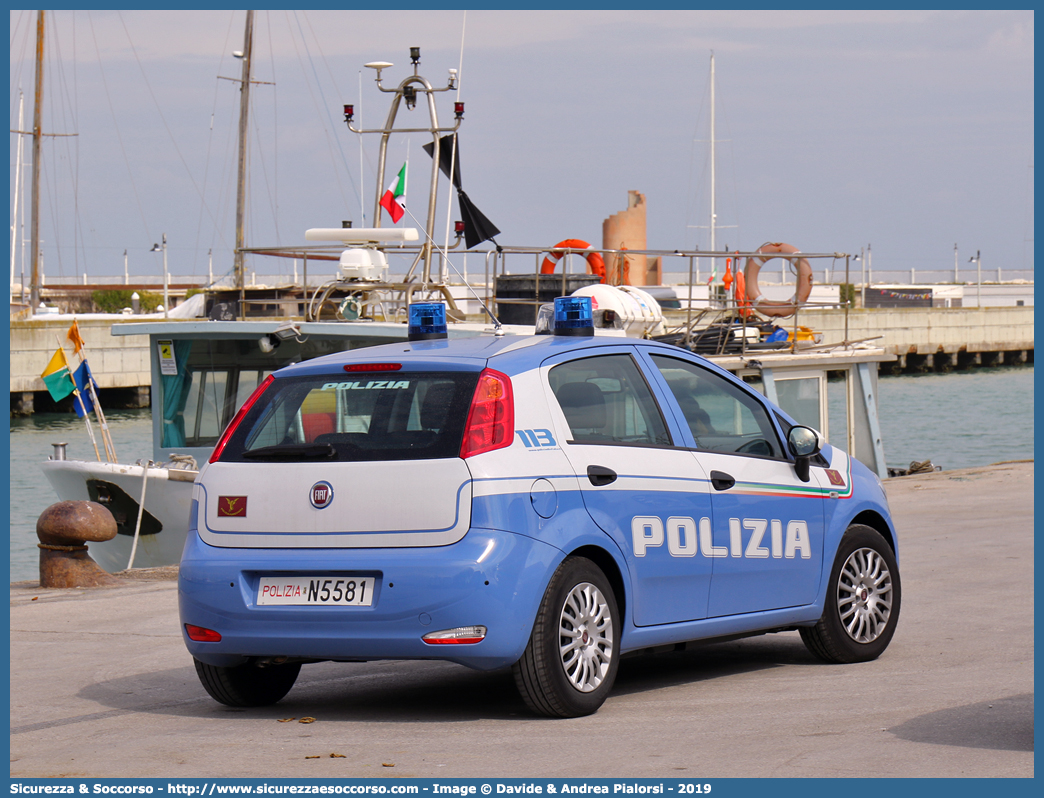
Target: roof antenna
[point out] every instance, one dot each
(498, 328)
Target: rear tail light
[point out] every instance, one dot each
(201, 635)
(491, 419)
(461, 636)
(216, 454)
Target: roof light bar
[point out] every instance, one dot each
(573, 316)
(427, 321)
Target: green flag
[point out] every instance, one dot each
(56, 377)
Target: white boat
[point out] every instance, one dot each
(202, 371)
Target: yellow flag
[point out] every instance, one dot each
(56, 377)
(57, 363)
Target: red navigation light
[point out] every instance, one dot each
(201, 635)
(373, 367)
(458, 109)
(231, 428)
(491, 419)
(458, 227)
(349, 112)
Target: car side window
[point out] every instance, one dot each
(606, 399)
(721, 415)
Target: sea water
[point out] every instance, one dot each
(956, 420)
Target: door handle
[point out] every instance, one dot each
(600, 475)
(721, 481)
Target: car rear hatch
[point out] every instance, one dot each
(368, 458)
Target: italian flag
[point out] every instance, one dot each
(56, 377)
(394, 199)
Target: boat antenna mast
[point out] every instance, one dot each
(408, 90)
(713, 226)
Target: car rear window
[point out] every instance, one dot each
(356, 417)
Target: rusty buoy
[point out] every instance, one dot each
(64, 530)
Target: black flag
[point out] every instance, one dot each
(477, 228)
(445, 155)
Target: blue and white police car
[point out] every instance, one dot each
(545, 502)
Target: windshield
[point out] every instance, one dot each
(357, 417)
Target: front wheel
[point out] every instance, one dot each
(247, 685)
(863, 599)
(570, 664)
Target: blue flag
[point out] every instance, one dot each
(85, 404)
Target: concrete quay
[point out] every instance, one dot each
(922, 338)
(101, 685)
(933, 338)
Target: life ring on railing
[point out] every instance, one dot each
(768, 307)
(594, 260)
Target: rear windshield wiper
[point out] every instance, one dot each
(292, 451)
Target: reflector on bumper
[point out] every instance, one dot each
(462, 635)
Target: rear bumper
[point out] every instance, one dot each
(490, 578)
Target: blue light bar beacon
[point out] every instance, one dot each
(427, 321)
(573, 316)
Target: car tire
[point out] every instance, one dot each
(863, 600)
(247, 685)
(570, 663)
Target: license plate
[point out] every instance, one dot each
(340, 591)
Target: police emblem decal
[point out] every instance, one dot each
(232, 506)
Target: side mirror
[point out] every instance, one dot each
(804, 444)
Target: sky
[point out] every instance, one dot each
(905, 131)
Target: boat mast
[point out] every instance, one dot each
(20, 154)
(34, 228)
(244, 111)
(713, 196)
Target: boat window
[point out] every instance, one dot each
(721, 415)
(248, 380)
(401, 416)
(204, 420)
(216, 376)
(606, 399)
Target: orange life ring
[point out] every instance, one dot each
(803, 290)
(594, 260)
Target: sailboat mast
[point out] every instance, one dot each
(713, 193)
(19, 150)
(34, 229)
(244, 112)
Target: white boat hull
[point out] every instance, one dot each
(168, 496)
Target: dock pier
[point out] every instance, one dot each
(102, 686)
(923, 339)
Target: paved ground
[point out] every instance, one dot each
(101, 685)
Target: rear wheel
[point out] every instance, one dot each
(570, 664)
(863, 599)
(247, 685)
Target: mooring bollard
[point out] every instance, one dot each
(64, 530)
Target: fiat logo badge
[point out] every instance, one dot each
(321, 495)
